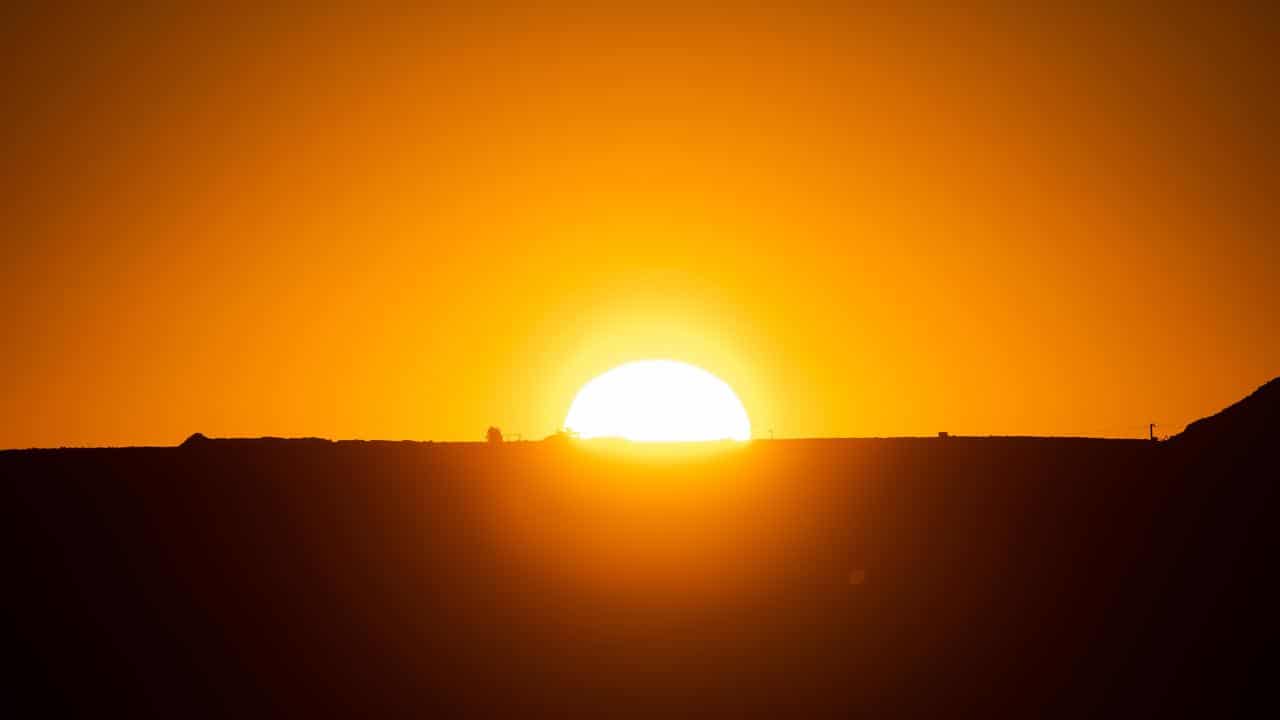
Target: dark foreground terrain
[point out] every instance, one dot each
(1007, 577)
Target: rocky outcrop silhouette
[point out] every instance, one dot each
(194, 440)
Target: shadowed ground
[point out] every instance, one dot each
(959, 576)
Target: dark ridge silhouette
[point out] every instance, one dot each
(983, 577)
(1253, 422)
(199, 441)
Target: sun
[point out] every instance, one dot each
(658, 401)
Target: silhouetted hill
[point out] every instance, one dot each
(985, 577)
(1253, 422)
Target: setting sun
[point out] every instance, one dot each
(658, 401)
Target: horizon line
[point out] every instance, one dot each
(600, 440)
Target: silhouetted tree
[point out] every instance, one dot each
(494, 435)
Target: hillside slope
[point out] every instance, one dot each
(1251, 422)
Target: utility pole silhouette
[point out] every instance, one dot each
(1151, 428)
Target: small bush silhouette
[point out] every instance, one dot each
(493, 435)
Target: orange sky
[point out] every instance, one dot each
(393, 225)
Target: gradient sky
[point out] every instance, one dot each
(383, 224)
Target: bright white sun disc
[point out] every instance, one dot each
(658, 401)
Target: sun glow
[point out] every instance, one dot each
(658, 401)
